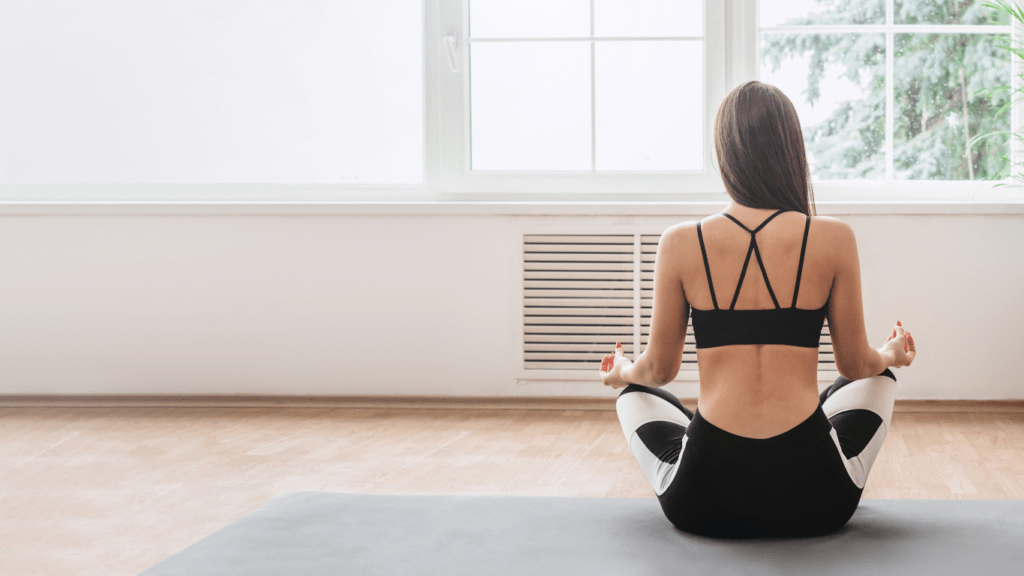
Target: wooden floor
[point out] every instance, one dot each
(111, 491)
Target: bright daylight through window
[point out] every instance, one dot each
(586, 85)
(441, 98)
(893, 90)
(211, 92)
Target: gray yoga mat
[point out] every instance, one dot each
(321, 533)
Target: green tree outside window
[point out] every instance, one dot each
(944, 87)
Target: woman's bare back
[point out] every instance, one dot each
(758, 390)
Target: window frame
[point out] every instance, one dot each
(456, 179)
(731, 57)
(732, 36)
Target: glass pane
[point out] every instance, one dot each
(818, 12)
(941, 102)
(648, 18)
(166, 91)
(946, 12)
(529, 18)
(836, 83)
(530, 105)
(649, 105)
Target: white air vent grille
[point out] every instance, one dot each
(584, 292)
(578, 299)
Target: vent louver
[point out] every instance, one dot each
(584, 292)
(578, 299)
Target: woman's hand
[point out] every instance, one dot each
(899, 347)
(612, 366)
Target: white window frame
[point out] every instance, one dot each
(731, 52)
(732, 56)
(456, 177)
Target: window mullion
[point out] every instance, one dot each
(889, 101)
(1016, 115)
(593, 93)
(593, 107)
(890, 63)
(743, 40)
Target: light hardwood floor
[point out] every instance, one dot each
(114, 490)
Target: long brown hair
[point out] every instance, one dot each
(760, 150)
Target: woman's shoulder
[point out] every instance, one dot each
(830, 221)
(680, 231)
(833, 231)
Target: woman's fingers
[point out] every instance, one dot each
(911, 349)
(607, 363)
(900, 333)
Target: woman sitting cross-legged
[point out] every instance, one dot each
(764, 454)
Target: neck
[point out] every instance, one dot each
(737, 208)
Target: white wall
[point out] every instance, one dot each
(416, 304)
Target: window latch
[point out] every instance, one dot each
(450, 43)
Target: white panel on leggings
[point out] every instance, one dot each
(859, 466)
(854, 474)
(866, 459)
(659, 473)
(877, 394)
(638, 408)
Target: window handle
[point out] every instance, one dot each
(451, 42)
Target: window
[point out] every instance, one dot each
(490, 99)
(211, 92)
(586, 86)
(551, 99)
(580, 95)
(893, 90)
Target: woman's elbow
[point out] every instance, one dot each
(664, 377)
(856, 370)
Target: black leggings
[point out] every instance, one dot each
(806, 481)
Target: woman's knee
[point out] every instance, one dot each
(641, 404)
(876, 393)
(842, 381)
(632, 388)
(659, 392)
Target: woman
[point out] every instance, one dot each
(764, 454)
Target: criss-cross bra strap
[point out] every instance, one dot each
(707, 267)
(743, 273)
(738, 223)
(753, 250)
(755, 230)
(764, 273)
(800, 267)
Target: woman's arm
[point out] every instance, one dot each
(659, 364)
(855, 358)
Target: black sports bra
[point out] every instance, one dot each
(790, 326)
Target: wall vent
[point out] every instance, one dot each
(584, 292)
(579, 298)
